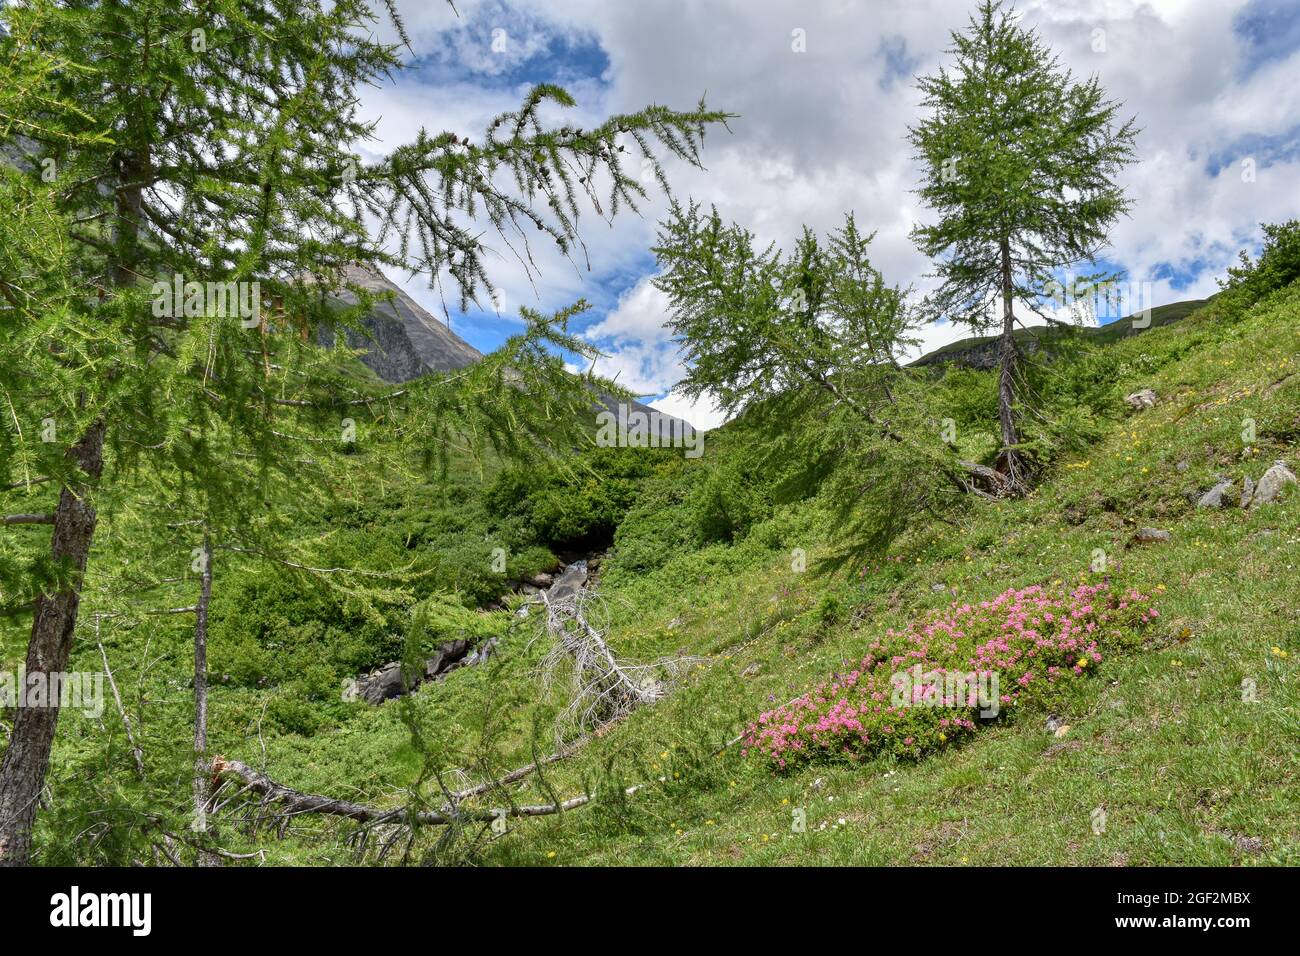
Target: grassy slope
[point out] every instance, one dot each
(1162, 739)
(1111, 332)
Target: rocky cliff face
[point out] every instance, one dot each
(404, 340)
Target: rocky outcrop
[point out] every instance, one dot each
(1220, 496)
(568, 583)
(565, 584)
(1139, 401)
(402, 341)
(1270, 486)
(388, 682)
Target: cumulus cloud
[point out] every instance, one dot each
(1214, 87)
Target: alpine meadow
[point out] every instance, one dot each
(575, 434)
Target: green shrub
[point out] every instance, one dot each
(730, 500)
(1278, 266)
(580, 505)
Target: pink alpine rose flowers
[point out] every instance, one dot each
(1025, 643)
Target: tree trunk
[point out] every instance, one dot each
(202, 793)
(22, 774)
(1010, 461)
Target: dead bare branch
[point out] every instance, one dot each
(295, 802)
(27, 519)
(602, 688)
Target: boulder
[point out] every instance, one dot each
(1247, 491)
(1217, 497)
(541, 580)
(568, 583)
(387, 682)
(1138, 401)
(482, 653)
(380, 685)
(1272, 483)
(445, 658)
(1151, 536)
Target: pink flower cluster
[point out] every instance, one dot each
(1029, 639)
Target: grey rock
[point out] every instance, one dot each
(483, 652)
(388, 682)
(1151, 536)
(382, 684)
(1182, 466)
(1138, 401)
(570, 580)
(541, 580)
(447, 657)
(1272, 483)
(1217, 497)
(401, 338)
(1247, 492)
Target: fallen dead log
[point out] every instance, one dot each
(26, 519)
(999, 485)
(296, 801)
(519, 773)
(603, 689)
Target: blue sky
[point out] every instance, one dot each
(1214, 84)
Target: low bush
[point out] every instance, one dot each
(1278, 266)
(926, 686)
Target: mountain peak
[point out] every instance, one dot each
(404, 339)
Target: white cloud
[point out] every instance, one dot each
(823, 132)
(638, 317)
(703, 414)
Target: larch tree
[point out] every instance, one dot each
(815, 336)
(1020, 164)
(215, 148)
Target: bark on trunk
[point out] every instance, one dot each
(22, 774)
(202, 793)
(1010, 462)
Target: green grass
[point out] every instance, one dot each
(1111, 332)
(1186, 771)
